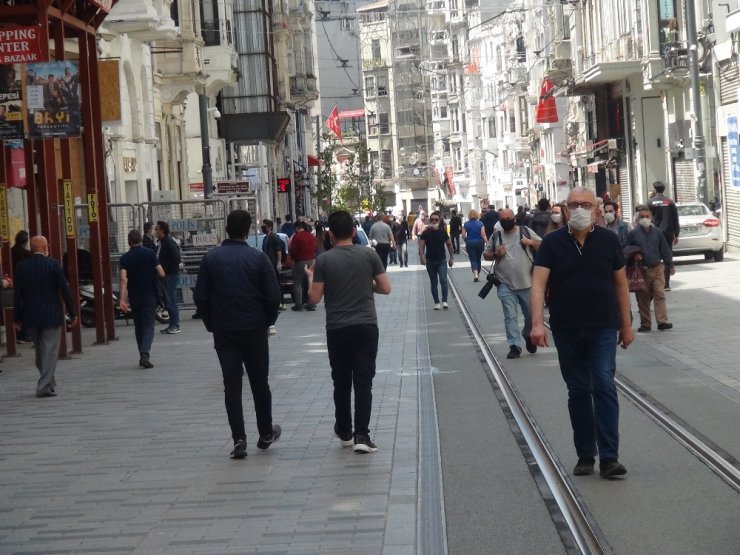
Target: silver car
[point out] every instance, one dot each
(701, 232)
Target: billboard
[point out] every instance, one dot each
(11, 102)
(53, 100)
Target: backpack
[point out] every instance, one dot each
(523, 232)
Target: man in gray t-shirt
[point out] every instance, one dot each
(382, 234)
(348, 275)
(512, 247)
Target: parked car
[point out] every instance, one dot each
(701, 232)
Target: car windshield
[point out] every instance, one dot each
(692, 210)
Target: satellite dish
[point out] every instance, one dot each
(376, 164)
(400, 172)
(402, 151)
(416, 172)
(381, 173)
(414, 157)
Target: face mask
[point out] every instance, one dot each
(507, 225)
(580, 218)
(609, 217)
(646, 222)
(557, 218)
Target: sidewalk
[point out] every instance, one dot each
(132, 460)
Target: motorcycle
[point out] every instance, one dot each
(87, 308)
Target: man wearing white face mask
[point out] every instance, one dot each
(655, 253)
(583, 267)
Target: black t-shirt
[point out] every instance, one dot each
(140, 264)
(582, 293)
(435, 241)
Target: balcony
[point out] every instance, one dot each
(143, 20)
(178, 68)
(617, 61)
(220, 61)
(374, 63)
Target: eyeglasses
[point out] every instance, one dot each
(586, 205)
(433, 219)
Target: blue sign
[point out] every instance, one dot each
(734, 148)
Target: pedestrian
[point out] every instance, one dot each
(420, 224)
(456, 229)
(393, 254)
(599, 219)
(541, 217)
(402, 240)
(20, 250)
(474, 234)
(514, 250)
(665, 218)
(614, 222)
(489, 217)
(558, 217)
(432, 243)
(381, 235)
(303, 252)
(348, 275)
(655, 256)
(367, 224)
(168, 253)
(148, 238)
(522, 218)
(140, 271)
(589, 315)
(39, 284)
(237, 293)
(320, 236)
(288, 228)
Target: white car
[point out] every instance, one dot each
(701, 232)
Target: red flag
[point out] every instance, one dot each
(332, 122)
(547, 111)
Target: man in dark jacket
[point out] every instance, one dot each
(665, 218)
(540, 217)
(489, 217)
(38, 286)
(168, 253)
(238, 295)
(455, 231)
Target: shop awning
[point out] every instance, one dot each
(267, 127)
(350, 114)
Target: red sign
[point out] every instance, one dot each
(232, 187)
(283, 185)
(20, 44)
(104, 5)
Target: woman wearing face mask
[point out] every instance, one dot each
(558, 217)
(474, 234)
(432, 243)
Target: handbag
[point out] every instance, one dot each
(6, 298)
(636, 279)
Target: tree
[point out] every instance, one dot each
(359, 192)
(326, 183)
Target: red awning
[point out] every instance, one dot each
(313, 161)
(547, 110)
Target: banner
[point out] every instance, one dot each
(20, 44)
(53, 100)
(11, 102)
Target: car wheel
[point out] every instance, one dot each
(708, 255)
(719, 255)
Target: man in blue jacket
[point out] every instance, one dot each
(39, 282)
(238, 296)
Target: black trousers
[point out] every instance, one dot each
(236, 351)
(455, 243)
(666, 267)
(383, 249)
(352, 353)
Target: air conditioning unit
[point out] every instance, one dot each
(163, 196)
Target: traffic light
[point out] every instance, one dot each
(283, 185)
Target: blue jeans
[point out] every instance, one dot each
(587, 359)
(475, 251)
(171, 282)
(403, 254)
(510, 298)
(438, 269)
(143, 313)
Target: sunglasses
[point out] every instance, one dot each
(433, 219)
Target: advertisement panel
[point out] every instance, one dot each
(11, 102)
(53, 100)
(20, 44)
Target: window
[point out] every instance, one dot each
(372, 124)
(457, 161)
(454, 120)
(492, 128)
(523, 115)
(382, 81)
(455, 50)
(443, 112)
(512, 121)
(482, 171)
(370, 87)
(386, 162)
(209, 23)
(376, 49)
(346, 24)
(383, 126)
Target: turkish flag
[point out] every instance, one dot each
(332, 122)
(547, 110)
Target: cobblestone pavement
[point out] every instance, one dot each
(130, 460)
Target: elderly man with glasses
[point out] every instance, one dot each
(582, 265)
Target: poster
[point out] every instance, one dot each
(53, 100)
(11, 102)
(734, 149)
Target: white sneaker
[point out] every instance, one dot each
(437, 306)
(444, 305)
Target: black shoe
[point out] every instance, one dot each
(665, 326)
(240, 449)
(584, 466)
(144, 361)
(514, 352)
(611, 468)
(667, 287)
(643, 329)
(47, 393)
(346, 439)
(310, 308)
(531, 347)
(296, 308)
(265, 441)
(363, 444)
